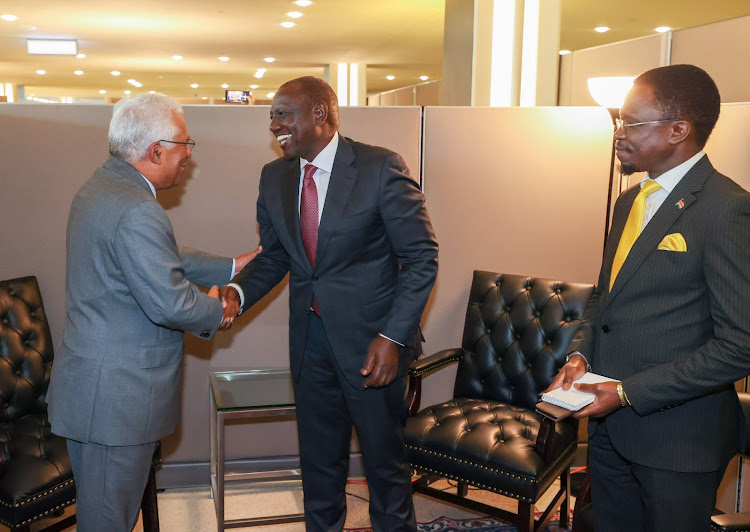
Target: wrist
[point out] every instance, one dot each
(580, 355)
(624, 401)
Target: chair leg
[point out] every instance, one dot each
(149, 507)
(462, 489)
(565, 505)
(525, 517)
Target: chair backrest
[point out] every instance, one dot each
(25, 350)
(745, 404)
(517, 333)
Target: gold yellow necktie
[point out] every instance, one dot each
(632, 229)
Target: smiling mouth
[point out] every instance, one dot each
(283, 138)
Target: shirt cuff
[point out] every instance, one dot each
(567, 359)
(391, 339)
(234, 269)
(241, 293)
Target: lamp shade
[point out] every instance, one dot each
(610, 92)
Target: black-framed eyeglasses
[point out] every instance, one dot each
(189, 142)
(620, 123)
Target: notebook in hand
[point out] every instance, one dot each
(573, 399)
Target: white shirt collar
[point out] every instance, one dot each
(669, 179)
(324, 160)
(150, 185)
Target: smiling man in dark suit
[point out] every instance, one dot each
(670, 317)
(350, 225)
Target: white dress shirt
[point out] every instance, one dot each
(668, 180)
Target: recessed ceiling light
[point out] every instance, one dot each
(8, 18)
(115, 72)
(194, 85)
(102, 91)
(662, 29)
(424, 78)
(601, 29)
(259, 74)
(78, 72)
(152, 92)
(127, 92)
(288, 24)
(254, 86)
(223, 58)
(564, 52)
(269, 59)
(177, 57)
(271, 94)
(51, 46)
(81, 56)
(262, 70)
(204, 97)
(225, 85)
(294, 14)
(302, 3)
(390, 78)
(135, 83)
(41, 72)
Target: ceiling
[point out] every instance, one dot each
(403, 38)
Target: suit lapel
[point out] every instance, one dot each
(343, 177)
(290, 200)
(676, 204)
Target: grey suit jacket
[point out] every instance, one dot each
(116, 378)
(376, 260)
(676, 326)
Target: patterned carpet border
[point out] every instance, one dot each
(477, 524)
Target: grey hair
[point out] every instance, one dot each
(140, 121)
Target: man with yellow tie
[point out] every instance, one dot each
(670, 318)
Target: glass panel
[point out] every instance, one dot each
(257, 388)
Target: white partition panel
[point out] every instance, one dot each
(513, 190)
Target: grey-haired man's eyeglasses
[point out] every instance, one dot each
(190, 142)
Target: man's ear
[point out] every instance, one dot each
(320, 113)
(154, 153)
(680, 131)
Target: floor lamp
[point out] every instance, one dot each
(610, 92)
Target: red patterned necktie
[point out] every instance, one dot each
(308, 219)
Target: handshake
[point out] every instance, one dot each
(230, 298)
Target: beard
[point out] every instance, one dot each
(627, 169)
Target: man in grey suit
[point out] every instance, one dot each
(115, 385)
(670, 317)
(350, 226)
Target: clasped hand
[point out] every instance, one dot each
(381, 363)
(606, 399)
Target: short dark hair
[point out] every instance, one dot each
(317, 90)
(685, 92)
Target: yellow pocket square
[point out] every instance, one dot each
(673, 242)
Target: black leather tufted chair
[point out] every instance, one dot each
(36, 480)
(516, 336)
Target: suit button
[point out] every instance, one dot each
(605, 328)
(205, 334)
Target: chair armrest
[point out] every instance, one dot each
(730, 522)
(422, 366)
(433, 362)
